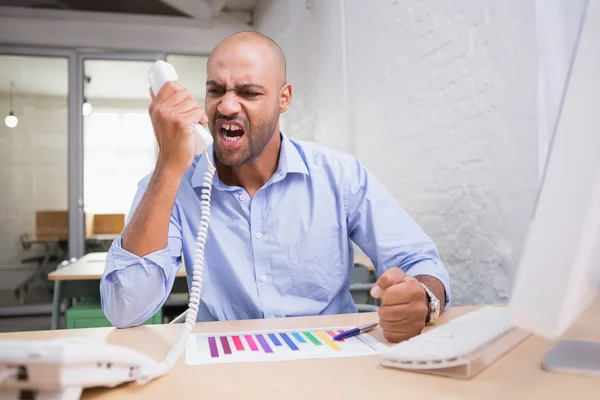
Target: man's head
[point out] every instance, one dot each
(246, 91)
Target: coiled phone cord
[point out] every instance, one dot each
(198, 275)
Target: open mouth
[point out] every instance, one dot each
(231, 133)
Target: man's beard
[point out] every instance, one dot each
(256, 137)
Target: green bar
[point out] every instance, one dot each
(312, 338)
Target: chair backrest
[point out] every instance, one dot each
(108, 224)
(52, 224)
(360, 286)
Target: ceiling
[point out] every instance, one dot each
(109, 79)
(147, 7)
(169, 8)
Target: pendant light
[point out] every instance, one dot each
(11, 119)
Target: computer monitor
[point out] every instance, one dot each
(558, 278)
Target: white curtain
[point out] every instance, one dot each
(558, 24)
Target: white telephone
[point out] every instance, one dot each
(60, 369)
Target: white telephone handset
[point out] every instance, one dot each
(162, 72)
(61, 368)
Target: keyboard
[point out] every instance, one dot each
(460, 348)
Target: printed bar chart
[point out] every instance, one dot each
(277, 345)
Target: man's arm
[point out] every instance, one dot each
(142, 263)
(139, 276)
(148, 229)
(385, 232)
(403, 255)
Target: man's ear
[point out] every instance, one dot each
(285, 97)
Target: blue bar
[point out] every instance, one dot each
(298, 337)
(289, 342)
(274, 339)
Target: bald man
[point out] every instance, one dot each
(284, 213)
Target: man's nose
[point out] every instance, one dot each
(229, 104)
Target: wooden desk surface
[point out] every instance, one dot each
(88, 267)
(515, 376)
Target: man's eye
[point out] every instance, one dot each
(250, 94)
(216, 91)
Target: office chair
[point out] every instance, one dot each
(360, 288)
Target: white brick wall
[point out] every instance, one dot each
(441, 107)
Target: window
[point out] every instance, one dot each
(120, 149)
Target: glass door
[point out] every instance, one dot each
(34, 179)
(119, 147)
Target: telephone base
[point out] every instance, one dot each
(70, 393)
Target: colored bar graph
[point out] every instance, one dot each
(312, 338)
(238, 343)
(212, 345)
(333, 334)
(288, 341)
(251, 342)
(277, 345)
(225, 344)
(298, 337)
(327, 340)
(264, 344)
(274, 339)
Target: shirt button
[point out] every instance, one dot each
(258, 235)
(242, 198)
(263, 278)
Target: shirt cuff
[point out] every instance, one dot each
(118, 258)
(432, 268)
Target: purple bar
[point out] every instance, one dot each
(212, 344)
(264, 344)
(225, 344)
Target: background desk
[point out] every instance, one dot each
(82, 279)
(515, 376)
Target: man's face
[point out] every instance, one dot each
(242, 101)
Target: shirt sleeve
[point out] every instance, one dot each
(385, 232)
(133, 288)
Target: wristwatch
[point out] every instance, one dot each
(434, 306)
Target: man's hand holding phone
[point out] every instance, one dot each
(173, 112)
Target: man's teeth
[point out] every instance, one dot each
(232, 127)
(231, 138)
(229, 129)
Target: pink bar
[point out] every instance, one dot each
(251, 342)
(238, 343)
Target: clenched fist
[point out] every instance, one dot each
(173, 113)
(403, 308)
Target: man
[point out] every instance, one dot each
(283, 212)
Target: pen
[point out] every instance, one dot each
(356, 331)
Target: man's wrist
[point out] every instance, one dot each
(436, 287)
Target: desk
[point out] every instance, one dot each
(81, 278)
(55, 249)
(515, 376)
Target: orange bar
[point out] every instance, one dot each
(327, 340)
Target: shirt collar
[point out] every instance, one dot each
(290, 161)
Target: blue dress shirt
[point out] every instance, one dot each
(286, 252)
